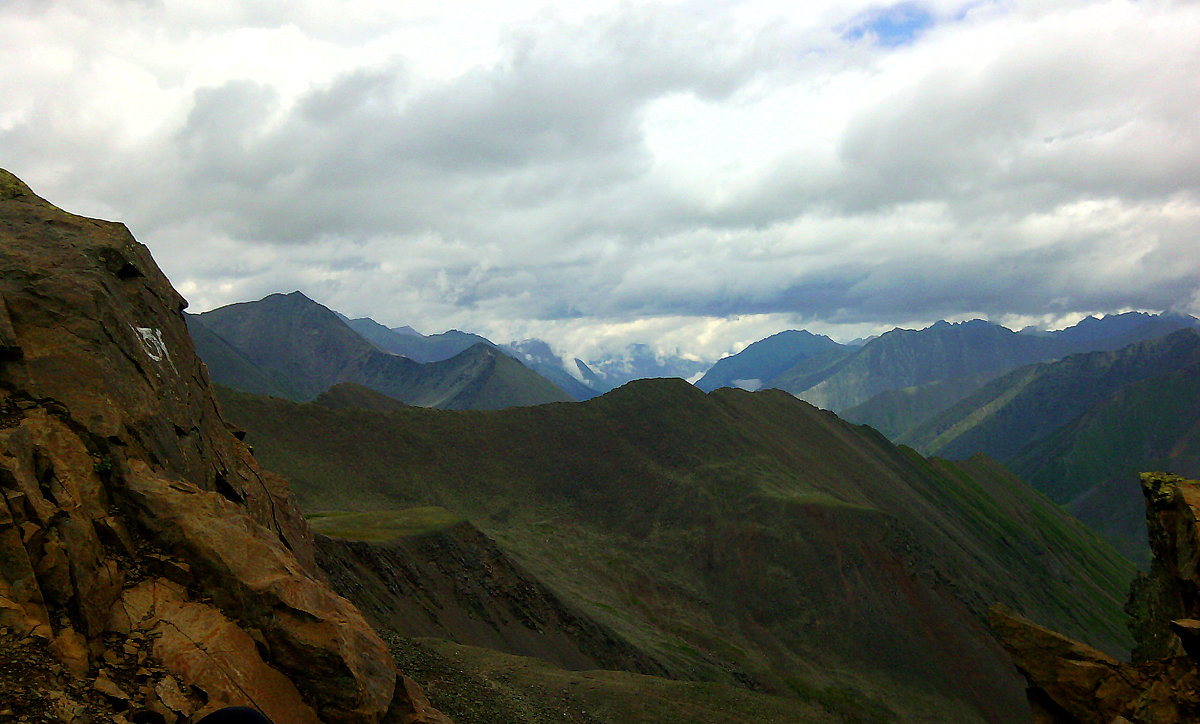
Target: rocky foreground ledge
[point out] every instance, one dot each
(144, 555)
(1071, 682)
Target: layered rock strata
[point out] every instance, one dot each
(140, 542)
(1072, 682)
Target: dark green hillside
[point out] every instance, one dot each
(733, 536)
(905, 358)
(1032, 402)
(1092, 463)
(307, 349)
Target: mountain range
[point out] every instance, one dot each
(302, 349)
(748, 539)
(1081, 428)
(655, 554)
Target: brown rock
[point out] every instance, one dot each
(1071, 682)
(412, 706)
(108, 687)
(204, 648)
(70, 648)
(168, 692)
(112, 447)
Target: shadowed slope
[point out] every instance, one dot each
(736, 536)
(307, 349)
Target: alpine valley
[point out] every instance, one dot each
(274, 505)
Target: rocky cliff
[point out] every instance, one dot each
(146, 560)
(1071, 682)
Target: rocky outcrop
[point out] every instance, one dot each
(1071, 682)
(140, 542)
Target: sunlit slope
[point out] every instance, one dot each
(738, 536)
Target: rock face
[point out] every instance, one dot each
(1071, 682)
(139, 539)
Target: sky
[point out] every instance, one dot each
(695, 175)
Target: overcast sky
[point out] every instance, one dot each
(695, 175)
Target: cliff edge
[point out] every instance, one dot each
(149, 563)
(1070, 682)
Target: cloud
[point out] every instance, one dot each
(690, 172)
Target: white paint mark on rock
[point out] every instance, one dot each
(152, 343)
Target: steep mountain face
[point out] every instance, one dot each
(418, 347)
(537, 356)
(1070, 681)
(736, 537)
(141, 546)
(895, 412)
(1030, 403)
(902, 378)
(765, 360)
(1092, 462)
(1081, 428)
(305, 348)
(227, 364)
(905, 358)
(440, 576)
(637, 362)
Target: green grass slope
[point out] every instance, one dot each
(1032, 402)
(895, 412)
(1092, 463)
(735, 537)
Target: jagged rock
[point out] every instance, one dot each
(115, 463)
(1071, 682)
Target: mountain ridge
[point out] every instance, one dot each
(307, 349)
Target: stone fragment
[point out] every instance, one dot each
(108, 687)
(169, 693)
(70, 648)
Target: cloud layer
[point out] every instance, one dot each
(693, 174)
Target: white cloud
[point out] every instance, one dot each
(693, 173)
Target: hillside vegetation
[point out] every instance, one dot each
(747, 539)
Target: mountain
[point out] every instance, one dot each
(408, 342)
(1029, 403)
(937, 366)
(1072, 682)
(765, 360)
(226, 364)
(1091, 463)
(1081, 428)
(638, 362)
(537, 356)
(895, 412)
(905, 358)
(747, 539)
(150, 569)
(305, 348)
